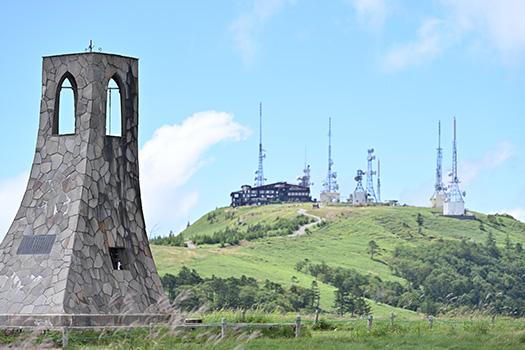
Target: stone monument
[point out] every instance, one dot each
(78, 244)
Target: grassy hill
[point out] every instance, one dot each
(341, 242)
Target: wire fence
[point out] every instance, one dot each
(196, 324)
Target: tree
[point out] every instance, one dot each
(347, 302)
(490, 244)
(342, 301)
(360, 306)
(508, 243)
(420, 221)
(519, 248)
(316, 295)
(169, 283)
(372, 248)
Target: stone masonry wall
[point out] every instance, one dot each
(83, 190)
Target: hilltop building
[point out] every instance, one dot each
(279, 192)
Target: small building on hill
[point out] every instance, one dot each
(279, 192)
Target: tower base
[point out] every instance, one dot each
(453, 208)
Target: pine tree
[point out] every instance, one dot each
(508, 243)
(342, 301)
(316, 295)
(420, 222)
(490, 244)
(372, 249)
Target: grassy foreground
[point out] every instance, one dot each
(445, 334)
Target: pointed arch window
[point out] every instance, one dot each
(114, 109)
(65, 106)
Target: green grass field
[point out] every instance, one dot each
(343, 242)
(458, 334)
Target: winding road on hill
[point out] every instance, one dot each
(302, 230)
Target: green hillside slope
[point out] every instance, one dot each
(341, 242)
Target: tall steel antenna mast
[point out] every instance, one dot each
(455, 156)
(454, 193)
(378, 180)
(439, 166)
(259, 174)
(370, 176)
(331, 179)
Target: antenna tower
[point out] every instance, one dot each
(370, 177)
(331, 179)
(378, 180)
(305, 179)
(454, 193)
(359, 180)
(439, 166)
(259, 174)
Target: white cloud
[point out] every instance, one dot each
(500, 23)
(487, 24)
(172, 156)
(433, 37)
(248, 25)
(370, 13)
(167, 162)
(493, 158)
(11, 192)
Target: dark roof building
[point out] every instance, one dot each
(279, 192)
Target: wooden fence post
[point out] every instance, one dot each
(430, 321)
(316, 316)
(370, 321)
(392, 317)
(65, 337)
(223, 328)
(298, 326)
(493, 319)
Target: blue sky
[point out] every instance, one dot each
(385, 71)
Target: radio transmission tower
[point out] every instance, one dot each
(370, 176)
(439, 164)
(454, 203)
(259, 174)
(378, 180)
(439, 188)
(305, 179)
(330, 185)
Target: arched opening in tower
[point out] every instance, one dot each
(64, 120)
(114, 109)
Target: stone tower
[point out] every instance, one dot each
(78, 243)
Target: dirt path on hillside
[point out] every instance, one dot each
(302, 230)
